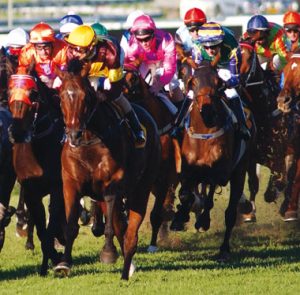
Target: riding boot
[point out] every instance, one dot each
(135, 125)
(236, 106)
(132, 119)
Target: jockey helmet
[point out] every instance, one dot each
(143, 26)
(194, 17)
(257, 23)
(132, 17)
(41, 33)
(99, 29)
(17, 38)
(211, 34)
(82, 36)
(291, 19)
(69, 22)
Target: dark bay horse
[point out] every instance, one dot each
(37, 130)
(260, 92)
(289, 103)
(165, 185)
(7, 174)
(99, 158)
(212, 153)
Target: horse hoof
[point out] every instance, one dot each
(131, 269)
(248, 218)
(177, 226)
(290, 216)
(152, 249)
(21, 230)
(109, 256)
(85, 217)
(62, 270)
(29, 246)
(98, 230)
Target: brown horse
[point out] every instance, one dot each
(260, 91)
(7, 174)
(37, 131)
(99, 158)
(212, 153)
(289, 104)
(163, 189)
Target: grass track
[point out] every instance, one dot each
(265, 260)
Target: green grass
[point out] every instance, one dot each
(265, 260)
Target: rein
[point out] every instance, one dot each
(212, 135)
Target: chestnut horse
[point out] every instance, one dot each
(289, 103)
(37, 131)
(165, 185)
(7, 174)
(99, 157)
(212, 153)
(260, 91)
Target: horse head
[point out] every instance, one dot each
(205, 85)
(77, 99)
(23, 105)
(290, 93)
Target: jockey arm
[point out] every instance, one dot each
(169, 61)
(234, 64)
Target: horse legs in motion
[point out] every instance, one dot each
(25, 225)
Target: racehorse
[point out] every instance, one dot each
(212, 153)
(163, 189)
(99, 158)
(7, 174)
(289, 104)
(260, 91)
(37, 131)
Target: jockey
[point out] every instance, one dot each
(186, 37)
(106, 71)
(127, 34)
(270, 42)
(68, 23)
(291, 25)
(154, 49)
(219, 42)
(47, 52)
(15, 41)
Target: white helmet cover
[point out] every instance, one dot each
(17, 37)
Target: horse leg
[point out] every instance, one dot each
(248, 209)
(293, 190)
(203, 220)
(7, 181)
(182, 216)
(236, 189)
(22, 216)
(36, 209)
(85, 215)
(97, 215)
(30, 229)
(109, 254)
(72, 211)
(137, 211)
